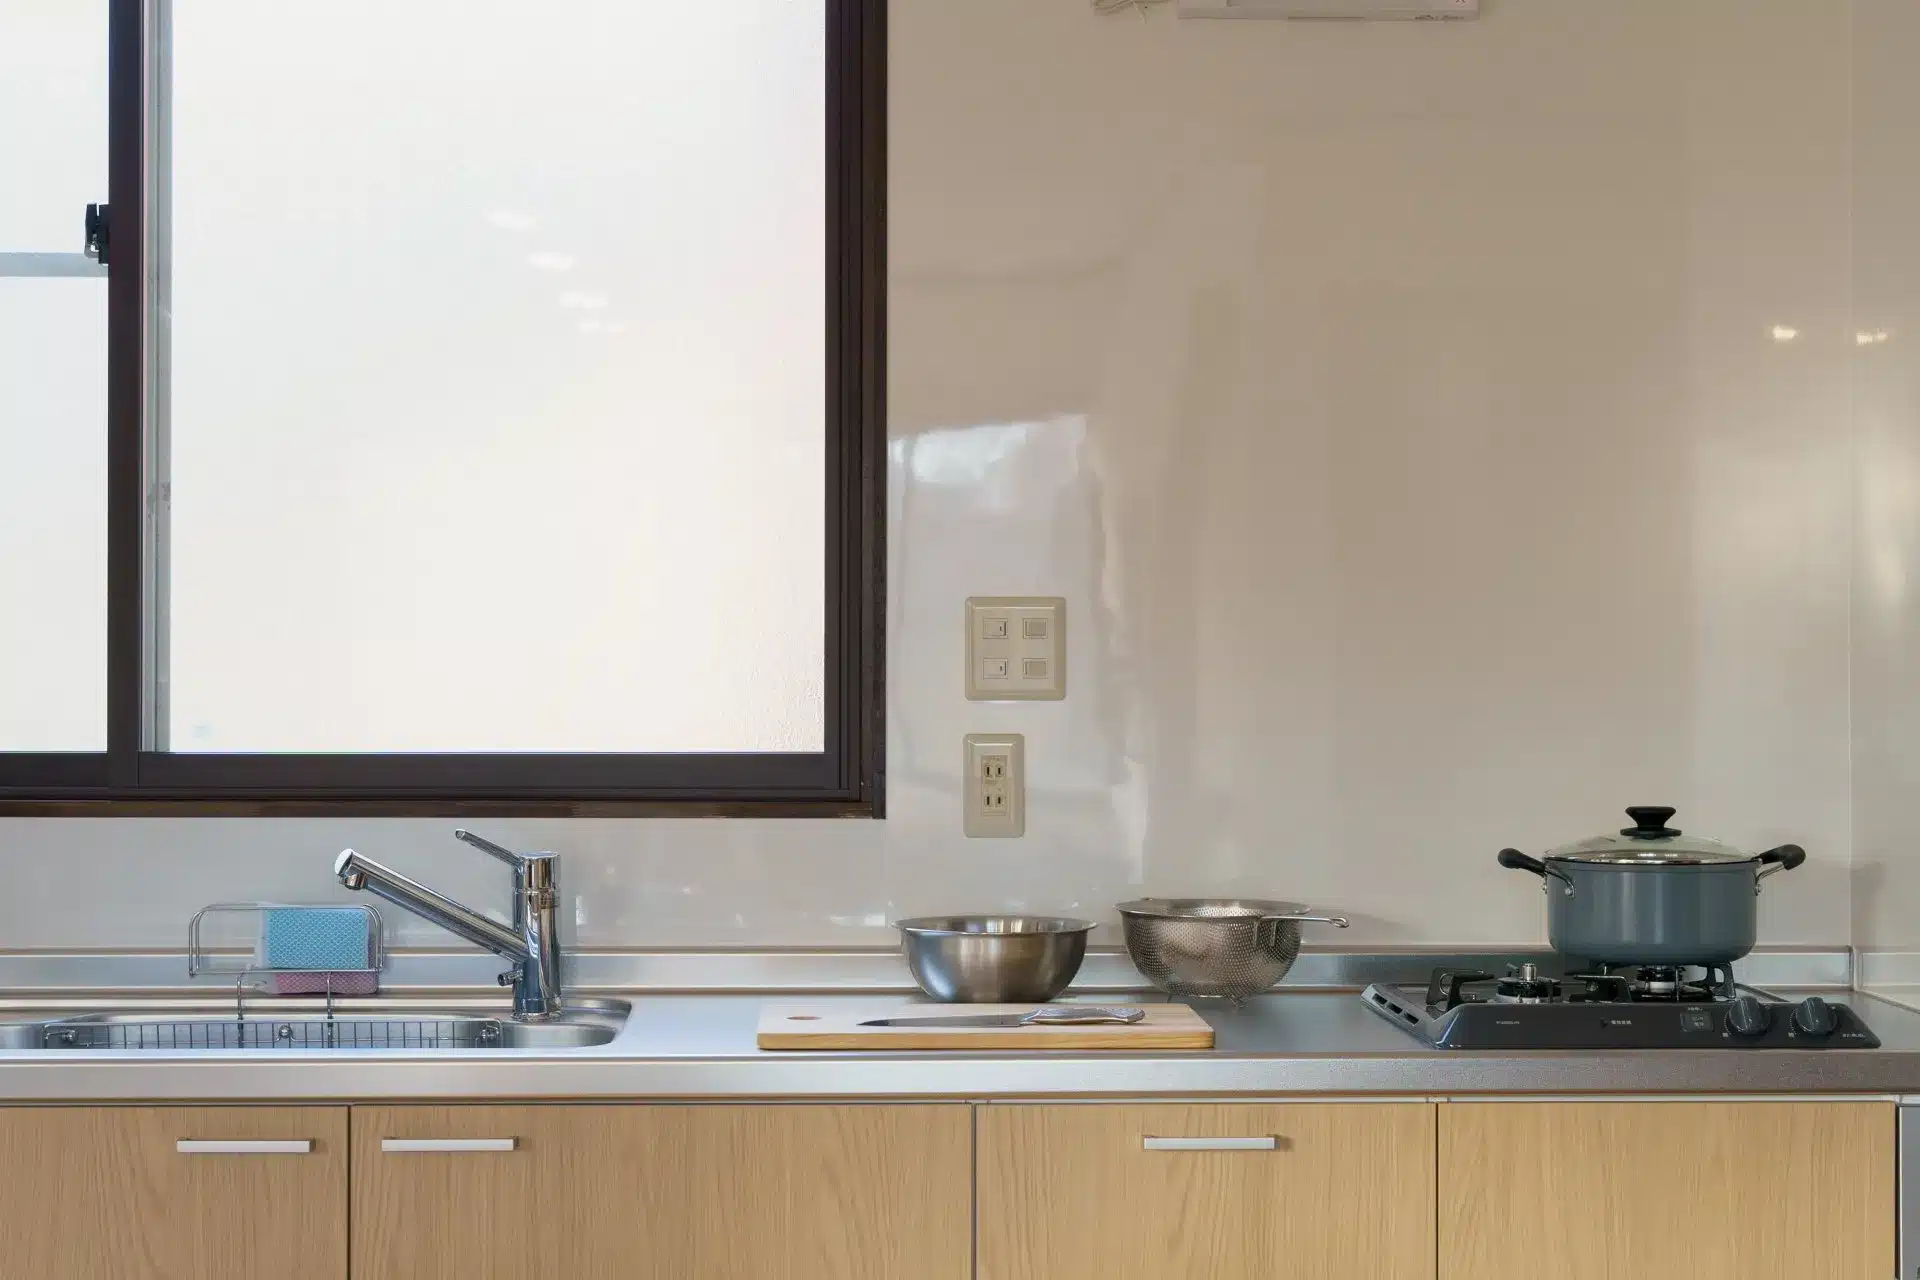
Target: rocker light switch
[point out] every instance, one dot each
(1016, 648)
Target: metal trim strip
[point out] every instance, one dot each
(935, 1077)
(876, 970)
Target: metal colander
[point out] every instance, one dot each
(1232, 947)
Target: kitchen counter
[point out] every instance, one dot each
(702, 1046)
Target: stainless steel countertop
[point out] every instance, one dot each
(702, 1046)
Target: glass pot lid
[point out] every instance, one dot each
(1650, 842)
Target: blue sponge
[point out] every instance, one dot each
(316, 938)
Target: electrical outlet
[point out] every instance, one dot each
(995, 796)
(1016, 648)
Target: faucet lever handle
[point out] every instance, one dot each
(485, 845)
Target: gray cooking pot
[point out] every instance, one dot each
(1653, 895)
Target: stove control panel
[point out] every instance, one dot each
(1735, 1024)
(1447, 1017)
(1748, 1022)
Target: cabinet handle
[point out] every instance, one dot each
(418, 1145)
(244, 1147)
(1210, 1144)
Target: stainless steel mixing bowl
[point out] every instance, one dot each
(1232, 947)
(994, 959)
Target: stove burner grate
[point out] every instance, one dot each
(1604, 984)
(1611, 1007)
(1653, 984)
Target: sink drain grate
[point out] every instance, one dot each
(279, 1033)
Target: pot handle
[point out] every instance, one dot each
(1514, 860)
(1785, 858)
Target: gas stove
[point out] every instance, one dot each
(1618, 1007)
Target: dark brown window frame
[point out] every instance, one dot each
(846, 779)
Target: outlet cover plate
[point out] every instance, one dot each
(1016, 648)
(994, 794)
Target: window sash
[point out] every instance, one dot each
(131, 775)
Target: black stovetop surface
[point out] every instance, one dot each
(1631, 1007)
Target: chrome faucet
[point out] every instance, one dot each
(532, 944)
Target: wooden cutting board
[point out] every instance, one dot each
(797, 1026)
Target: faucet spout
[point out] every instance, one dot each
(359, 872)
(532, 945)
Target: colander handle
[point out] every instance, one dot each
(1340, 921)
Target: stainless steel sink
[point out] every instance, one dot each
(300, 1028)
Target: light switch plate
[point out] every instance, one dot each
(1016, 648)
(996, 785)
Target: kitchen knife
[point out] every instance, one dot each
(1055, 1015)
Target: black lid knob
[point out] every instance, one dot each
(1650, 822)
(1747, 1016)
(1814, 1017)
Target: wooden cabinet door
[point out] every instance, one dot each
(663, 1192)
(88, 1193)
(1090, 1191)
(1644, 1190)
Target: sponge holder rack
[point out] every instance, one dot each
(248, 970)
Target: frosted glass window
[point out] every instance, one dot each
(53, 121)
(498, 397)
(53, 349)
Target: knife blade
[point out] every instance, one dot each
(1046, 1016)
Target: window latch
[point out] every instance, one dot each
(97, 233)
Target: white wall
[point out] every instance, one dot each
(1886, 615)
(1400, 409)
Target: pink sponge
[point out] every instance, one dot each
(319, 982)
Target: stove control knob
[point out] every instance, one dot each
(1747, 1016)
(1814, 1017)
